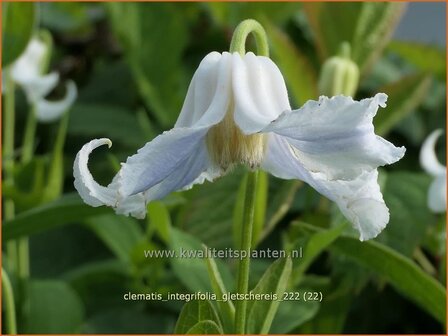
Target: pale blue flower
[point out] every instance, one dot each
(237, 112)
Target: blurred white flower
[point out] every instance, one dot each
(430, 163)
(237, 112)
(27, 70)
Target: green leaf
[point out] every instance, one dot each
(54, 308)
(18, 23)
(147, 32)
(405, 194)
(66, 16)
(402, 273)
(119, 233)
(113, 122)
(194, 312)
(232, 13)
(195, 216)
(299, 73)
(191, 268)
(128, 320)
(292, 314)
(315, 245)
(205, 328)
(69, 208)
(226, 308)
(94, 281)
(427, 58)
(261, 313)
(160, 218)
(366, 26)
(405, 95)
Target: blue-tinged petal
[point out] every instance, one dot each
(159, 158)
(48, 111)
(359, 199)
(428, 158)
(208, 96)
(184, 176)
(259, 89)
(335, 136)
(437, 194)
(95, 194)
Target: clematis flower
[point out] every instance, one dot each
(237, 112)
(430, 163)
(26, 71)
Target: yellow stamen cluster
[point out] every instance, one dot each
(229, 146)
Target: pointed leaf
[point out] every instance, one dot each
(18, 23)
(402, 273)
(261, 313)
(226, 308)
(194, 312)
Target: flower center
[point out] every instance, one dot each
(228, 146)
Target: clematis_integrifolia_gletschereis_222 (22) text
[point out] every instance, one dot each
(237, 112)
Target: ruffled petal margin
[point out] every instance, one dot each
(335, 136)
(359, 199)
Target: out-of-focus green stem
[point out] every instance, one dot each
(246, 242)
(27, 155)
(28, 138)
(8, 304)
(8, 162)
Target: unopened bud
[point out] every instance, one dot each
(339, 74)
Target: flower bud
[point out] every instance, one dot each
(339, 74)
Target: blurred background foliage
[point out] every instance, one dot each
(132, 63)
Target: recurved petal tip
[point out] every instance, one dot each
(428, 158)
(48, 111)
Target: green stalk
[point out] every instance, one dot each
(27, 155)
(238, 43)
(8, 304)
(8, 162)
(28, 138)
(246, 242)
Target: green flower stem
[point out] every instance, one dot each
(28, 139)
(8, 162)
(27, 155)
(8, 304)
(246, 242)
(238, 43)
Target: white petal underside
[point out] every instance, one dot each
(359, 199)
(259, 89)
(208, 95)
(48, 111)
(160, 158)
(437, 194)
(335, 136)
(26, 71)
(96, 195)
(187, 173)
(90, 191)
(428, 158)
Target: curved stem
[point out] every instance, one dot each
(246, 242)
(9, 305)
(238, 43)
